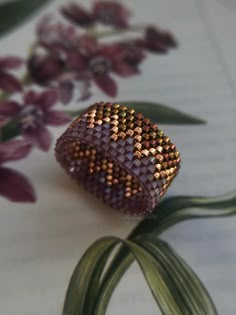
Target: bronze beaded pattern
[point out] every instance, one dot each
(120, 156)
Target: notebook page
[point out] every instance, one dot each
(40, 244)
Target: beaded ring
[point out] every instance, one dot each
(119, 156)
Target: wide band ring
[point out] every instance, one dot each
(119, 156)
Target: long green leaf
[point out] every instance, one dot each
(157, 279)
(188, 287)
(13, 13)
(158, 113)
(162, 114)
(177, 209)
(82, 276)
(111, 278)
(169, 212)
(96, 277)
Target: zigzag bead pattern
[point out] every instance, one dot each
(120, 156)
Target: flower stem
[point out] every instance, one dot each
(108, 33)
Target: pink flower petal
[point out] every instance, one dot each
(9, 108)
(15, 186)
(107, 85)
(56, 118)
(111, 13)
(30, 97)
(41, 138)
(9, 83)
(48, 98)
(10, 62)
(66, 89)
(14, 150)
(76, 61)
(44, 69)
(76, 14)
(124, 70)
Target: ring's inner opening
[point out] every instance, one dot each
(103, 177)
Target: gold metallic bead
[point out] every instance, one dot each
(145, 136)
(166, 148)
(160, 133)
(152, 151)
(122, 120)
(165, 165)
(130, 125)
(153, 134)
(106, 119)
(138, 146)
(145, 152)
(129, 177)
(114, 122)
(138, 115)
(131, 111)
(114, 137)
(158, 167)
(87, 153)
(177, 154)
(122, 135)
(130, 132)
(157, 175)
(115, 129)
(166, 139)
(138, 138)
(138, 130)
(130, 118)
(159, 157)
(146, 120)
(159, 149)
(122, 127)
(145, 144)
(138, 154)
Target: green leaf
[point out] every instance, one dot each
(177, 209)
(13, 13)
(168, 213)
(74, 113)
(158, 113)
(187, 288)
(112, 276)
(166, 297)
(9, 131)
(162, 114)
(86, 274)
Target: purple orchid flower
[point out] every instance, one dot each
(14, 185)
(44, 69)
(55, 36)
(9, 82)
(157, 40)
(50, 70)
(98, 62)
(77, 14)
(110, 13)
(33, 117)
